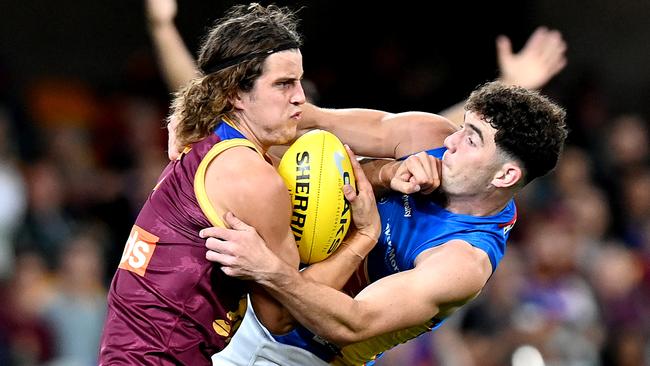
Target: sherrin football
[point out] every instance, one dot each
(315, 168)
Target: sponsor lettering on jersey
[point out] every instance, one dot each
(138, 251)
(391, 258)
(407, 206)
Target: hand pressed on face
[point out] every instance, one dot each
(417, 173)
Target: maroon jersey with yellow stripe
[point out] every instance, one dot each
(167, 304)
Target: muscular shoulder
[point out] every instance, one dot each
(240, 179)
(466, 266)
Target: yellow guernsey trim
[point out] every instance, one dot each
(358, 354)
(229, 122)
(199, 177)
(185, 151)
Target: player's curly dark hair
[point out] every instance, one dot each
(244, 30)
(530, 127)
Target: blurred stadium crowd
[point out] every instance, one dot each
(77, 161)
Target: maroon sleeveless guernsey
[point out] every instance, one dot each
(167, 304)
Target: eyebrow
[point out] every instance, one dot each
(478, 132)
(288, 78)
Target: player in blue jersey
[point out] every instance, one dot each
(435, 253)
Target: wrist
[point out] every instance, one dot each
(387, 172)
(504, 79)
(160, 23)
(277, 274)
(360, 243)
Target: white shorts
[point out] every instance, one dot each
(253, 345)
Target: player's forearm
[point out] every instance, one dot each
(336, 270)
(380, 134)
(380, 172)
(364, 130)
(175, 60)
(333, 272)
(327, 312)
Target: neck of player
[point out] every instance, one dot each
(483, 204)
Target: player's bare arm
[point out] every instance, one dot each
(380, 134)
(444, 278)
(413, 133)
(439, 284)
(175, 60)
(240, 179)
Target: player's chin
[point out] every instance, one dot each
(289, 134)
(173, 152)
(283, 139)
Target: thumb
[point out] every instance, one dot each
(349, 192)
(236, 223)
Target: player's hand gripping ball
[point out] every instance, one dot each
(315, 168)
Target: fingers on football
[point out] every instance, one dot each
(351, 153)
(360, 176)
(349, 193)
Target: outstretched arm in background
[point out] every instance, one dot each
(541, 58)
(175, 60)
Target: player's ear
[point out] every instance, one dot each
(508, 175)
(236, 99)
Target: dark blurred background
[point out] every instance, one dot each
(82, 103)
(444, 48)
